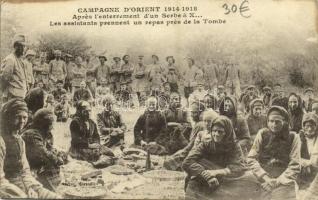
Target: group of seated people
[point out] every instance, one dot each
(227, 152)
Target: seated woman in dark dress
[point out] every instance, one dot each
(85, 143)
(215, 167)
(44, 159)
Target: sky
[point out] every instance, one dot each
(271, 22)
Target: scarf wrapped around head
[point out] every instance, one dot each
(42, 119)
(9, 111)
(35, 99)
(226, 123)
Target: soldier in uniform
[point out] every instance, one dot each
(79, 74)
(69, 72)
(41, 72)
(126, 71)
(172, 74)
(13, 72)
(232, 80)
(102, 70)
(139, 83)
(155, 76)
(30, 55)
(114, 74)
(57, 68)
(191, 75)
(91, 77)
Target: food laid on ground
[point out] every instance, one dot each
(165, 175)
(120, 170)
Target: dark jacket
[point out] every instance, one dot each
(239, 122)
(58, 94)
(296, 116)
(82, 94)
(39, 150)
(276, 155)
(82, 135)
(226, 154)
(255, 123)
(150, 127)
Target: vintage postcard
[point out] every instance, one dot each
(159, 99)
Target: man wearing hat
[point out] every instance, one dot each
(210, 74)
(79, 74)
(69, 72)
(91, 77)
(41, 71)
(57, 68)
(191, 76)
(199, 92)
(29, 60)
(114, 74)
(13, 72)
(126, 71)
(102, 70)
(256, 119)
(155, 75)
(233, 79)
(309, 98)
(140, 83)
(172, 74)
(275, 156)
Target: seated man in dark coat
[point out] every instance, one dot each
(82, 94)
(179, 127)
(59, 91)
(215, 167)
(110, 124)
(275, 156)
(43, 158)
(85, 143)
(256, 119)
(150, 128)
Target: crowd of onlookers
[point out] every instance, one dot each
(259, 143)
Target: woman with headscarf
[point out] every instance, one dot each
(85, 142)
(218, 162)
(296, 112)
(275, 156)
(14, 115)
(309, 149)
(35, 100)
(43, 158)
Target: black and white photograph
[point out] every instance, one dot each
(149, 99)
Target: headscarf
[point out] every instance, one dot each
(80, 106)
(35, 99)
(9, 111)
(253, 102)
(226, 123)
(42, 119)
(299, 108)
(310, 117)
(233, 100)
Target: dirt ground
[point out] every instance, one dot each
(150, 190)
